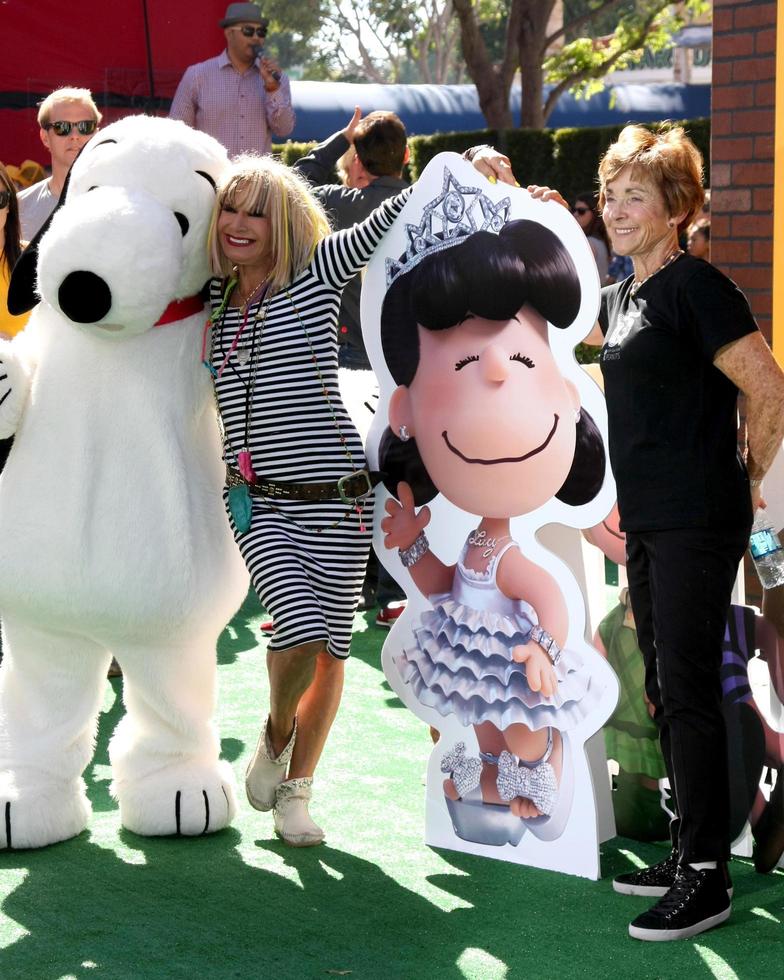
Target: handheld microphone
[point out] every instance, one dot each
(258, 52)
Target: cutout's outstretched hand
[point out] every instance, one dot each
(403, 525)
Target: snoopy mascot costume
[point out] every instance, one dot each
(113, 535)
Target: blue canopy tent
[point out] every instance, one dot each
(324, 107)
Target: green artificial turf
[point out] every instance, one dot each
(373, 902)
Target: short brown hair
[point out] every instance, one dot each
(380, 142)
(667, 158)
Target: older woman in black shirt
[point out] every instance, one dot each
(679, 343)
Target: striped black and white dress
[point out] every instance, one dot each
(307, 572)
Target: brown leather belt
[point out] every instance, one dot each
(349, 488)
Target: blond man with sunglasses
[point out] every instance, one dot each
(67, 118)
(241, 98)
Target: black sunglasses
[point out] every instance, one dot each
(5, 199)
(580, 210)
(85, 127)
(250, 31)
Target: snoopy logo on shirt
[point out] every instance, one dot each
(625, 324)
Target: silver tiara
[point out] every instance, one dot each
(456, 213)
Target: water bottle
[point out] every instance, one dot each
(766, 552)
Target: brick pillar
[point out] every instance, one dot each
(744, 72)
(742, 160)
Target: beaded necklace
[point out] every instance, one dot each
(244, 459)
(637, 286)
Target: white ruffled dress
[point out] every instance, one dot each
(461, 663)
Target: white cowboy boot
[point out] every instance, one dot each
(266, 771)
(293, 823)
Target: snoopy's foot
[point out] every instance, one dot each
(185, 800)
(33, 816)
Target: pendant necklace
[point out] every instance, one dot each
(638, 284)
(239, 499)
(480, 539)
(244, 352)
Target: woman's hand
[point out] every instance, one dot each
(403, 525)
(494, 165)
(539, 671)
(546, 194)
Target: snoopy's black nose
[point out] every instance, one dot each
(84, 297)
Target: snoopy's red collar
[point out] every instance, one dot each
(179, 309)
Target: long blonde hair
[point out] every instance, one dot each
(262, 185)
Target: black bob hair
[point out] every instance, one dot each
(491, 276)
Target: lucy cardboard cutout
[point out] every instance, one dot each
(114, 535)
(472, 309)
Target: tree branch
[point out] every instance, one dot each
(578, 22)
(600, 69)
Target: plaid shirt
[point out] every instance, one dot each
(236, 109)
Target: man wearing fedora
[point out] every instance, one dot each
(241, 97)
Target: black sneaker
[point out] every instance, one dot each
(654, 881)
(697, 901)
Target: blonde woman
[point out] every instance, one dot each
(298, 491)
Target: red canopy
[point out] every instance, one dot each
(129, 53)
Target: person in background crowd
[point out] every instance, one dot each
(586, 212)
(374, 151)
(620, 268)
(28, 172)
(698, 241)
(10, 250)
(680, 342)
(68, 118)
(240, 97)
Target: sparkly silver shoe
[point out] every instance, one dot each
(472, 819)
(265, 771)
(537, 782)
(293, 823)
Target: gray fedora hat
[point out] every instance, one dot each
(242, 13)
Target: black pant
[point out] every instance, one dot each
(680, 584)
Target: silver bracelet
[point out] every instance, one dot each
(540, 635)
(472, 151)
(410, 556)
(755, 483)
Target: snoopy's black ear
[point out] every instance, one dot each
(21, 289)
(206, 176)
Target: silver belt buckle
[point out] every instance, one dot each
(344, 480)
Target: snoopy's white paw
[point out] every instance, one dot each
(14, 388)
(186, 800)
(37, 816)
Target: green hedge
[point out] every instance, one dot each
(566, 159)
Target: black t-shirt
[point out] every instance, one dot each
(672, 413)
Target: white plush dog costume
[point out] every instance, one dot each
(113, 534)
